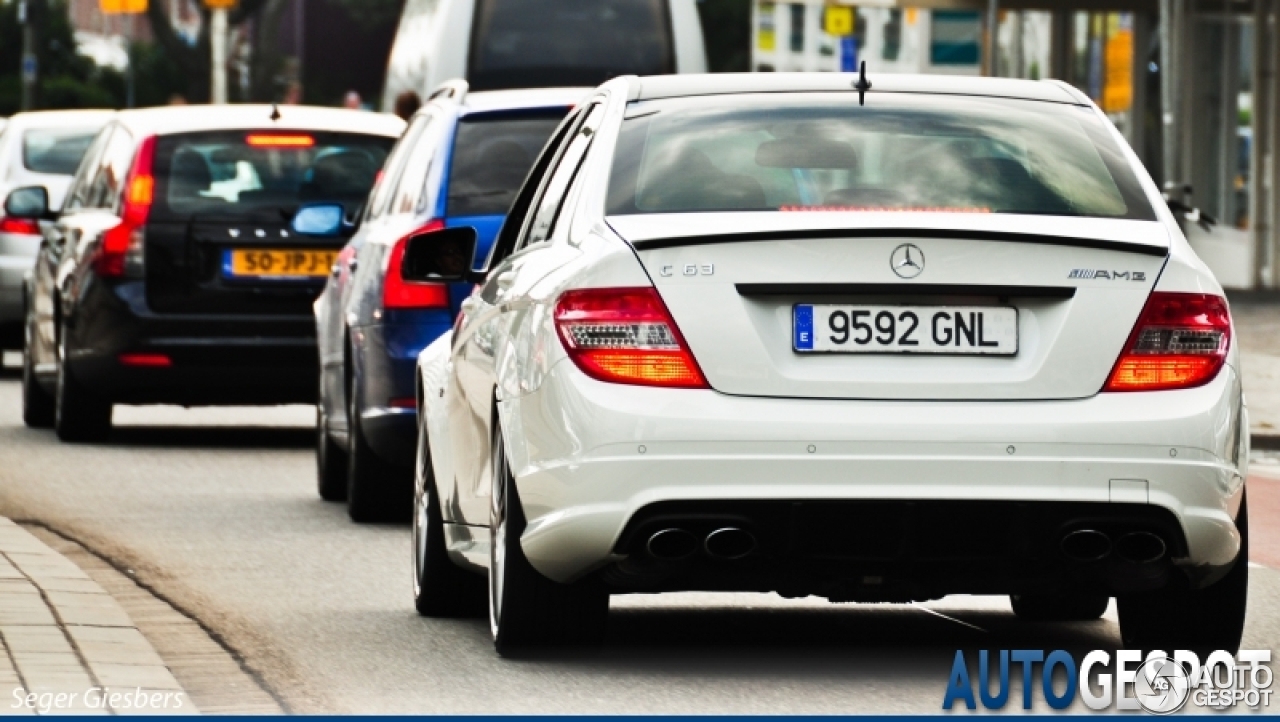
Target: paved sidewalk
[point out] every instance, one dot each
(66, 641)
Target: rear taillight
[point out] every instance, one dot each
(1179, 342)
(399, 293)
(121, 252)
(626, 335)
(19, 226)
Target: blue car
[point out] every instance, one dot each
(460, 163)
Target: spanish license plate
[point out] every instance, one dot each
(273, 263)
(966, 330)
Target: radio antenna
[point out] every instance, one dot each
(862, 85)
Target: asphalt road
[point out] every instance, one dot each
(216, 510)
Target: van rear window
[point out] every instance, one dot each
(542, 43)
(269, 172)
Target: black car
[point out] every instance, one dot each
(172, 275)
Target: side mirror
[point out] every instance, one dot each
(320, 219)
(441, 256)
(31, 203)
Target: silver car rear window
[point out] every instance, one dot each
(899, 152)
(56, 151)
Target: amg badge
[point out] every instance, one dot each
(1107, 275)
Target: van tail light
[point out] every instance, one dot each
(399, 293)
(19, 226)
(121, 252)
(626, 336)
(1179, 342)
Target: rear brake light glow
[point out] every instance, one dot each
(121, 252)
(398, 293)
(258, 140)
(407, 402)
(146, 360)
(626, 335)
(1180, 342)
(19, 226)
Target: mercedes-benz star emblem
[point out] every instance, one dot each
(1162, 686)
(907, 261)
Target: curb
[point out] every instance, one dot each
(66, 641)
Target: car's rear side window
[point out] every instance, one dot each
(899, 152)
(491, 157)
(264, 173)
(56, 151)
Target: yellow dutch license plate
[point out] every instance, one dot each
(267, 263)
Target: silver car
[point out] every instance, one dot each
(36, 149)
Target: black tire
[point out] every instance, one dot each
(79, 415)
(1201, 620)
(331, 461)
(527, 610)
(38, 410)
(1059, 607)
(376, 490)
(440, 587)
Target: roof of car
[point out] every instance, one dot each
(493, 100)
(59, 118)
(198, 118)
(677, 86)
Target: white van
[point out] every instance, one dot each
(498, 44)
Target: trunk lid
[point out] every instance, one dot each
(732, 281)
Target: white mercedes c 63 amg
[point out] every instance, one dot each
(788, 333)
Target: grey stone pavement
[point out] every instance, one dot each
(67, 646)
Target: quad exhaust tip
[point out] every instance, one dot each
(1086, 545)
(672, 544)
(730, 543)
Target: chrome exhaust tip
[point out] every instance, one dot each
(1086, 545)
(730, 543)
(672, 544)
(1141, 547)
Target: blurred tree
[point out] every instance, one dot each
(726, 29)
(67, 79)
(193, 60)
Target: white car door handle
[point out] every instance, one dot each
(506, 280)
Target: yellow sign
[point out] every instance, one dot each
(122, 7)
(765, 34)
(220, 4)
(1117, 88)
(838, 21)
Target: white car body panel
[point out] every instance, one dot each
(588, 455)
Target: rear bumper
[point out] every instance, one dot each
(214, 360)
(618, 452)
(386, 357)
(17, 256)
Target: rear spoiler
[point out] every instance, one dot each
(809, 234)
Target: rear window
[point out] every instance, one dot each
(541, 43)
(491, 158)
(56, 151)
(897, 153)
(266, 173)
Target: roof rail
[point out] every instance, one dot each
(455, 89)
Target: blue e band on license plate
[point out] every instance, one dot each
(872, 328)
